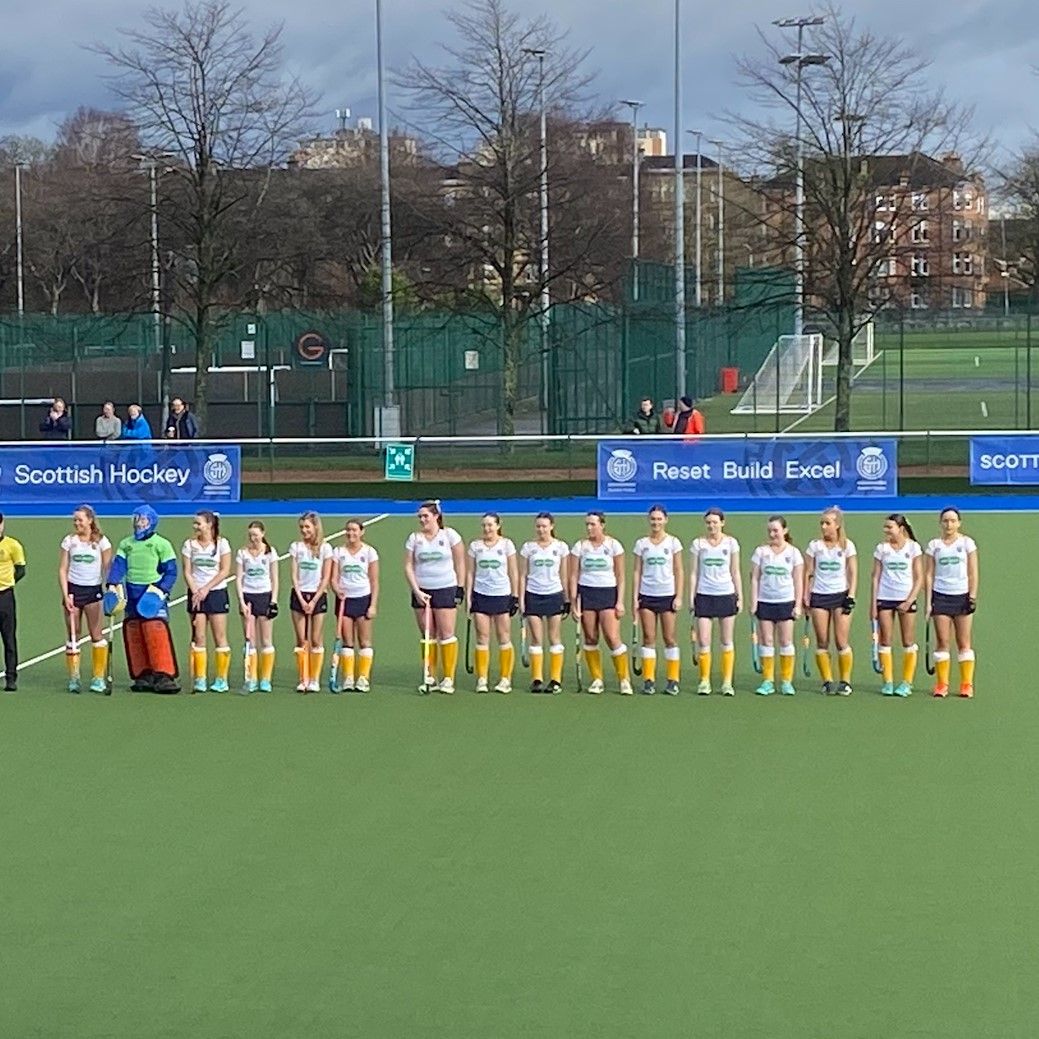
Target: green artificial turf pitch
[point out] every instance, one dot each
(393, 865)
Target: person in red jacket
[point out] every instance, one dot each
(688, 421)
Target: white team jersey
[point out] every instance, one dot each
(84, 559)
(595, 562)
(950, 564)
(831, 566)
(544, 563)
(658, 564)
(203, 561)
(354, 581)
(256, 571)
(896, 570)
(714, 565)
(432, 558)
(309, 564)
(491, 566)
(776, 580)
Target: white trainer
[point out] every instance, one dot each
(363, 685)
(504, 686)
(596, 687)
(481, 685)
(447, 685)
(626, 689)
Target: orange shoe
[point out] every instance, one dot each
(941, 691)
(967, 691)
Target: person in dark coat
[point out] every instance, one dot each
(645, 420)
(57, 425)
(688, 421)
(180, 423)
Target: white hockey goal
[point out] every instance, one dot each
(790, 380)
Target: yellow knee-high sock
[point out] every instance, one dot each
(705, 663)
(250, 665)
(267, 664)
(593, 658)
(620, 663)
(649, 663)
(482, 656)
(347, 665)
(887, 664)
(728, 662)
(786, 663)
(301, 664)
(365, 659)
(507, 660)
(199, 662)
(449, 656)
(966, 661)
(98, 659)
(908, 664)
(672, 663)
(223, 662)
(767, 655)
(845, 663)
(556, 654)
(317, 660)
(72, 659)
(537, 664)
(941, 668)
(823, 663)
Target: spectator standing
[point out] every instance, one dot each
(56, 424)
(108, 425)
(646, 420)
(180, 423)
(136, 426)
(12, 570)
(688, 421)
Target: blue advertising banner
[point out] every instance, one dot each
(730, 469)
(1006, 461)
(73, 473)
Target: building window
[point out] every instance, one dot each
(962, 298)
(980, 204)
(920, 201)
(917, 300)
(921, 267)
(919, 232)
(962, 263)
(880, 231)
(960, 231)
(885, 203)
(962, 199)
(886, 267)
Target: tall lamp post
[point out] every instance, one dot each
(634, 106)
(698, 134)
(386, 242)
(720, 145)
(679, 214)
(19, 260)
(801, 61)
(546, 300)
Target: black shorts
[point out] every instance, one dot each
(297, 607)
(775, 611)
(596, 600)
(657, 603)
(491, 605)
(943, 605)
(84, 594)
(537, 605)
(355, 607)
(827, 600)
(440, 598)
(258, 602)
(892, 605)
(712, 606)
(216, 602)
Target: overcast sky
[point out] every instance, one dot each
(982, 51)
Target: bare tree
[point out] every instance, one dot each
(202, 89)
(1020, 190)
(868, 130)
(481, 107)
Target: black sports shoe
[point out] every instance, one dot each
(844, 689)
(827, 689)
(537, 686)
(553, 687)
(165, 684)
(11, 687)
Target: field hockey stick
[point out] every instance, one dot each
(73, 643)
(694, 638)
(806, 642)
(307, 647)
(427, 650)
(524, 647)
(250, 624)
(875, 649)
(755, 649)
(109, 679)
(928, 661)
(469, 669)
(337, 649)
(578, 650)
(636, 658)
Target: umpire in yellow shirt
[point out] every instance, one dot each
(12, 570)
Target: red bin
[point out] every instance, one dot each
(730, 380)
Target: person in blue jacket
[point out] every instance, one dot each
(136, 426)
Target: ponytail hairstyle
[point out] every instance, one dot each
(257, 525)
(433, 505)
(781, 520)
(497, 519)
(95, 531)
(359, 524)
(953, 509)
(599, 513)
(903, 524)
(836, 512)
(551, 519)
(213, 519)
(319, 532)
(715, 511)
(655, 508)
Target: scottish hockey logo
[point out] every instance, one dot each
(872, 467)
(621, 468)
(217, 472)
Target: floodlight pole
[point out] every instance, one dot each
(635, 164)
(680, 365)
(720, 145)
(386, 223)
(698, 134)
(18, 238)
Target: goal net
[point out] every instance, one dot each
(789, 379)
(862, 353)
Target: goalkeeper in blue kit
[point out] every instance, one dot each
(146, 563)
